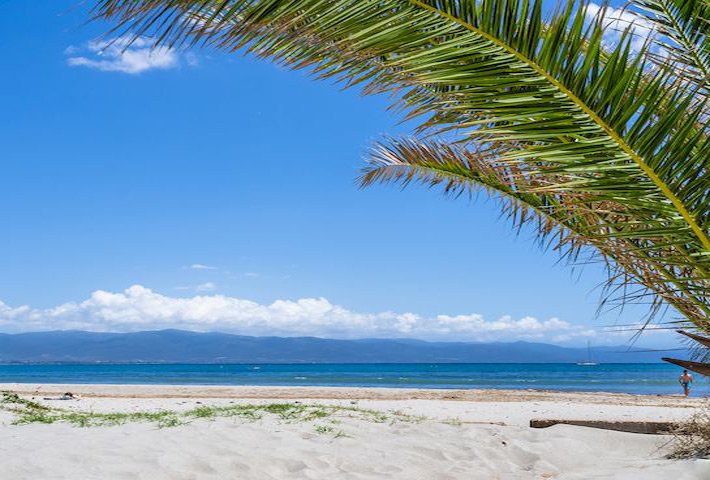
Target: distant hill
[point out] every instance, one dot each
(177, 346)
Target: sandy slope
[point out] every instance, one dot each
(271, 448)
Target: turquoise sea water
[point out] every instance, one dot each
(627, 378)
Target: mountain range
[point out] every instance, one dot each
(179, 346)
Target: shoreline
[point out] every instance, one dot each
(246, 364)
(641, 379)
(144, 390)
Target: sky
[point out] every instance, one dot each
(171, 189)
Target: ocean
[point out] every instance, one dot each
(641, 378)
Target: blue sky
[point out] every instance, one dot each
(115, 177)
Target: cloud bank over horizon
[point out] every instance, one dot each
(140, 308)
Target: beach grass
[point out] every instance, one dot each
(30, 412)
(691, 439)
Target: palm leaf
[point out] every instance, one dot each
(586, 133)
(562, 219)
(684, 26)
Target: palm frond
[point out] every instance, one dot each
(563, 220)
(684, 26)
(584, 128)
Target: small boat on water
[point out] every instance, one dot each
(588, 362)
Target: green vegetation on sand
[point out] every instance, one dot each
(27, 412)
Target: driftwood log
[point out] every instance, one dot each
(651, 428)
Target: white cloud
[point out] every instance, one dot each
(200, 288)
(206, 287)
(199, 266)
(139, 308)
(617, 20)
(122, 55)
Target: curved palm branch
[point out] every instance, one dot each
(562, 219)
(684, 26)
(581, 135)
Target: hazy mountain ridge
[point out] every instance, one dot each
(179, 346)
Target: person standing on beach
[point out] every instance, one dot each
(686, 380)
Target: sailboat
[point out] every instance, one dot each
(588, 362)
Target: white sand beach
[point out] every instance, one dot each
(373, 434)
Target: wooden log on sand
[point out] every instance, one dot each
(650, 428)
